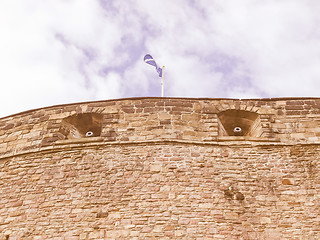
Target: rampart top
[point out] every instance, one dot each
(148, 120)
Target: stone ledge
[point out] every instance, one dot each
(112, 101)
(79, 140)
(247, 138)
(63, 145)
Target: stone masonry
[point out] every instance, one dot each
(162, 168)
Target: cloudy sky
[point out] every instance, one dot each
(63, 51)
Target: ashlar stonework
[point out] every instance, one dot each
(162, 168)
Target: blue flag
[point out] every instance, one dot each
(149, 59)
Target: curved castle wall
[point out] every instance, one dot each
(162, 168)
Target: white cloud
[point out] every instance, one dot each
(276, 39)
(52, 53)
(57, 51)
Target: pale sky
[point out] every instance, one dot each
(64, 51)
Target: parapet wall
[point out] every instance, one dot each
(289, 121)
(162, 168)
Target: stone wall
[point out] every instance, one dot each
(161, 168)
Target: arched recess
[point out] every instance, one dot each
(82, 125)
(234, 122)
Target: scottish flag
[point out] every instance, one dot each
(149, 59)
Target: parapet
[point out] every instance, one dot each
(141, 120)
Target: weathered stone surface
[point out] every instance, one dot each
(160, 169)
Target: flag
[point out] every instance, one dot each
(149, 59)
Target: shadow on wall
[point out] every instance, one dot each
(239, 123)
(82, 125)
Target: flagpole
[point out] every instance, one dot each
(162, 82)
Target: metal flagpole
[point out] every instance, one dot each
(162, 82)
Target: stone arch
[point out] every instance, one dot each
(233, 122)
(82, 125)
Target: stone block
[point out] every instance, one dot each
(155, 167)
(265, 220)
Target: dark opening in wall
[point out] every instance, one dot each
(82, 125)
(239, 123)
